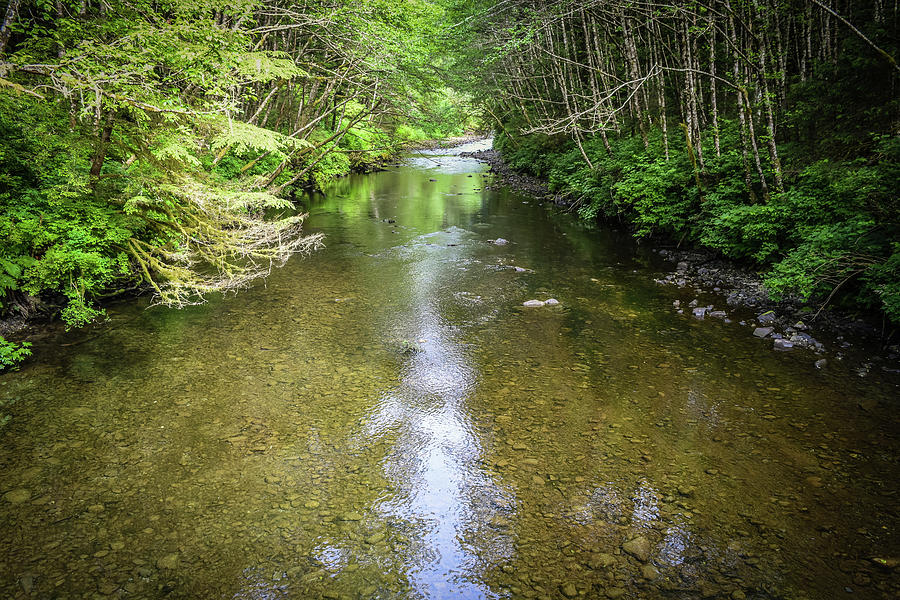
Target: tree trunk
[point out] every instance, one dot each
(714, 108)
(12, 13)
(101, 148)
(767, 103)
(742, 112)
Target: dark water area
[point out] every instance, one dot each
(385, 419)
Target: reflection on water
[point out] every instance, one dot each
(384, 419)
(435, 457)
(437, 454)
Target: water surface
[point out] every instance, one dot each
(384, 419)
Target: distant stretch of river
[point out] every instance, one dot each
(385, 419)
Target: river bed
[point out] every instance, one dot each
(385, 419)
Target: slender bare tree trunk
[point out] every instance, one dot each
(634, 75)
(714, 108)
(770, 117)
(742, 110)
(12, 13)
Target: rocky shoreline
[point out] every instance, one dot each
(730, 287)
(521, 182)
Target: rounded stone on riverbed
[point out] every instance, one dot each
(551, 302)
(638, 547)
(568, 590)
(601, 561)
(169, 561)
(500, 242)
(533, 303)
(783, 345)
(649, 572)
(17, 496)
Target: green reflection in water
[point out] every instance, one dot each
(384, 419)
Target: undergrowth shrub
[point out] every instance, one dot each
(832, 234)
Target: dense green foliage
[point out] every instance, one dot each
(836, 222)
(766, 131)
(154, 143)
(12, 354)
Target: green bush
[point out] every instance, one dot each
(12, 354)
(59, 235)
(833, 229)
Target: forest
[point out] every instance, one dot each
(765, 130)
(158, 145)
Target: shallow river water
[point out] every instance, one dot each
(384, 419)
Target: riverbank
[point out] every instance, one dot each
(29, 318)
(726, 286)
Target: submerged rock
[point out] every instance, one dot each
(533, 303)
(803, 339)
(169, 561)
(649, 572)
(17, 496)
(762, 332)
(500, 242)
(639, 548)
(783, 345)
(551, 302)
(602, 561)
(375, 538)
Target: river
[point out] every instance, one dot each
(385, 419)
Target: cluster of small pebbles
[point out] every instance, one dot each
(786, 322)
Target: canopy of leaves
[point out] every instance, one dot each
(148, 144)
